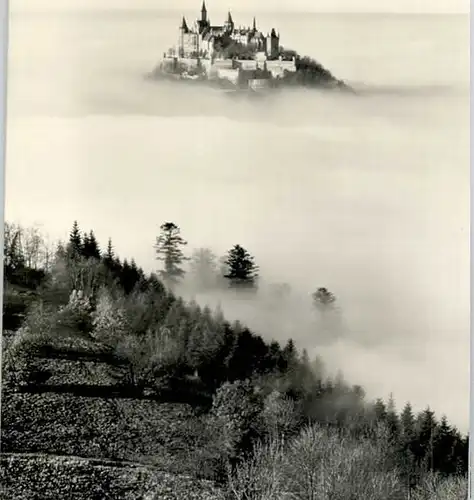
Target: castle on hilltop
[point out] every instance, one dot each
(227, 52)
(203, 38)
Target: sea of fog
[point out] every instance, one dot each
(366, 195)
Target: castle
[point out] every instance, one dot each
(203, 38)
(227, 52)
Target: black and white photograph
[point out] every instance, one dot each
(236, 255)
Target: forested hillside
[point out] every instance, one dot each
(109, 376)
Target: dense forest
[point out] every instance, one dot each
(268, 422)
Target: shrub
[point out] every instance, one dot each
(436, 487)
(235, 414)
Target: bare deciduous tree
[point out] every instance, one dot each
(261, 477)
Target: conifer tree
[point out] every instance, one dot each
(424, 444)
(444, 447)
(289, 352)
(380, 411)
(74, 247)
(168, 248)
(393, 421)
(85, 244)
(323, 298)
(90, 246)
(407, 422)
(242, 272)
(126, 278)
(109, 253)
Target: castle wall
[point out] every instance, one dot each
(188, 62)
(206, 46)
(246, 65)
(207, 65)
(278, 68)
(223, 63)
(228, 74)
(257, 83)
(188, 43)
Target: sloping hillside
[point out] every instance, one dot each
(114, 388)
(44, 477)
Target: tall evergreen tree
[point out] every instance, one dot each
(74, 247)
(380, 410)
(85, 245)
(90, 247)
(290, 354)
(242, 272)
(168, 248)
(444, 448)
(407, 422)
(426, 426)
(109, 253)
(393, 421)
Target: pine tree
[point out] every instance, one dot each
(126, 280)
(242, 272)
(407, 422)
(406, 453)
(85, 245)
(290, 354)
(380, 410)
(393, 421)
(138, 273)
(90, 247)
(94, 248)
(323, 298)
(444, 446)
(74, 247)
(109, 254)
(426, 426)
(168, 249)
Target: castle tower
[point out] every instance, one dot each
(183, 30)
(254, 27)
(203, 12)
(274, 44)
(229, 24)
(184, 26)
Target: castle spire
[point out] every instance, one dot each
(254, 25)
(184, 25)
(203, 11)
(229, 18)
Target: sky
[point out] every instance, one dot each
(395, 6)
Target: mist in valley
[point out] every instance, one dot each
(367, 195)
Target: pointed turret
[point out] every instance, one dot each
(184, 26)
(229, 24)
(203, 12)
(254, 27)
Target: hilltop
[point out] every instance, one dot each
(125, 390)
(232, 56)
